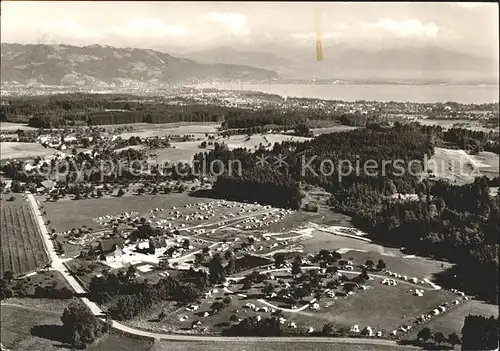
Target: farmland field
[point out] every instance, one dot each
(180, 151)
(452, 123)
(9, 126)
(22, 245)
(252, 142)
(15, 150)
(147, 130)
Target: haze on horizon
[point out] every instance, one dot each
(191, 26)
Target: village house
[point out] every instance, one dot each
(114, 245)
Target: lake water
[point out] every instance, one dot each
(415, 93)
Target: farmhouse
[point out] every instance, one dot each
(110, 245)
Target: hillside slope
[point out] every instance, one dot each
(105, 66)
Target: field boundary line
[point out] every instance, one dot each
(35, 207)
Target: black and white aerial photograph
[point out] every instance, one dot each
(249, 176)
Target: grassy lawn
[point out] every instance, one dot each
(67, 214)
(383, 308)
(453, 320)
(329, 241)
(333, 129)
(114, 341)
(184, 128)
(17, 150)
(411, 266)
(179, 152)
(9, 126)
(301, 218)
(31, 327)
(268, 346)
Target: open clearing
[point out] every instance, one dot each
(22, 245)
(179, 152)
(453, 321)
(114, 341)
(382, 307)
(334, 129)
(9, 126)
(456, 123)
(27, 323)
(15, 150)
(268, 346)
(145, 130)
(184, 151)
(411, 266)
(67, 214)
(460, 168)
(329, 241)
(252, 142)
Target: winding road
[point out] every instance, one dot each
(58, 264)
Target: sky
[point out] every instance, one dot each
(466, 27)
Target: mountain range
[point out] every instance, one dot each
(106, 66)
(344, 62)
(101, 66)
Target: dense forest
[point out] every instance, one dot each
(266, 186)
(57, 111)
(96, 109)
(480, 333)
(456, 223)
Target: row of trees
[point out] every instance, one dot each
(453, 338)
(478, 333)
(472, 141)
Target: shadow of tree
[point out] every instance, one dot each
(454, 277)
(51, 332)
(428, 345)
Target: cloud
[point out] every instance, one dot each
(235, 22)
(73, 29)
(312, 35)
(408, 28)
(149, 27)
